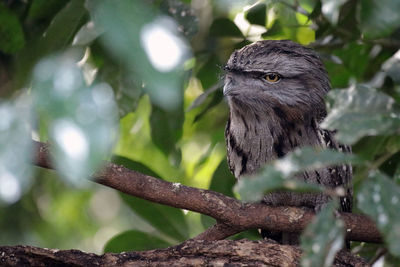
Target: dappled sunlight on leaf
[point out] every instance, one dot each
(361, 111)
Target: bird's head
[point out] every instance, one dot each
(283, 74)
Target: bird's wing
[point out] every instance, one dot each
(340, 175)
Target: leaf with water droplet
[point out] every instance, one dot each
(379, 197)
(15, 149)
(361, 111)
(322, 238)
(280, 173)
(81, 120)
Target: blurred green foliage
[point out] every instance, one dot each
(322, 238)
(157, 64)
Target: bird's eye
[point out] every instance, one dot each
(272, 77)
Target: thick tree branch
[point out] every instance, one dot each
(190, 253)
(233, 216)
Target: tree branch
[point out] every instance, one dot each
(232, 215)
(189, 253)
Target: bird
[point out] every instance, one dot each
(275, 90)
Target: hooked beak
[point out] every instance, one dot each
(228, 84)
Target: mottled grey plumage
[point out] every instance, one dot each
(269, 119)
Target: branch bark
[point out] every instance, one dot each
(232, 215)
(190, 253)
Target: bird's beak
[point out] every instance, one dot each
(226, 89)
(227, 85)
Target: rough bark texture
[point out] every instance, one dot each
(190, 253)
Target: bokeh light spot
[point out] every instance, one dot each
(164, 49)
(10, 189)
(71, 139)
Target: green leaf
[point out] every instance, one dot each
(270, 179)
(396, 175)
(223, 27)
(322, 238)
(127, 88)
(82, 121)
(12, 37)
(134, 241)
(58, 35)
(392, 67)
(257, 14)
(86, 34)
(352, 61)
(134, 165)
(379, 18)
(369, 147)
(331, 9)
(222, 181)
(166, 130)
(217, 97)
(63, 28)
(209, 72)
(279, 174)
(45, 9)
(132, 33)
(15, 149)
(275, 29)
(202, 98)
(361, 111)
(251, 234)
(167, 220)
(379, 197)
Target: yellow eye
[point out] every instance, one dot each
(272, 77)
